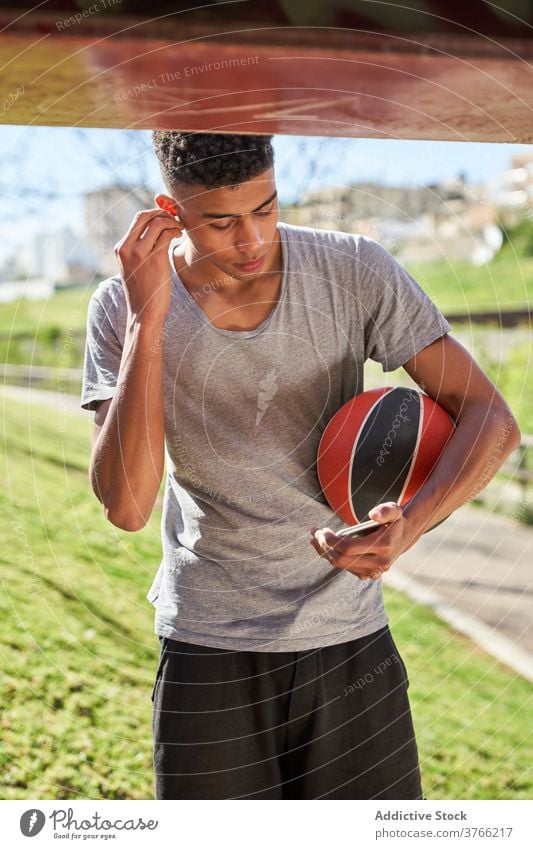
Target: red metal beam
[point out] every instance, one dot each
(187, 73)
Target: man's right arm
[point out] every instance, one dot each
(128, 454)
(127, 461)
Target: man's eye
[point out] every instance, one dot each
(225, 226)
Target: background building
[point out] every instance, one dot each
(108, 215)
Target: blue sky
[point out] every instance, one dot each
(45, 156)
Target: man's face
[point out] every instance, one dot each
(230, 226)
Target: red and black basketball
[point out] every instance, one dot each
(380, 446)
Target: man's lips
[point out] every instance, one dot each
(251, 266)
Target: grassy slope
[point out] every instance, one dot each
(505, 283)
(79, 655)
(47, 332)
(55, 329)
(66, 310)
(77, 633)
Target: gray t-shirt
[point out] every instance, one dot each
(244, 412)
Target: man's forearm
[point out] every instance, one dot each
(489, 436)
(128, 459)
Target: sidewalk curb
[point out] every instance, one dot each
(497, 645)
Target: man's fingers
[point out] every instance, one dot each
(329, 541)
(313, 543)
(388, 511)
(142, 248)
(319, 550)
(143, 219)
(157, 223)
(163, 236)
(363, 571)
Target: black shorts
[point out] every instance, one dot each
(327, 723)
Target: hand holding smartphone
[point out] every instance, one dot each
(361, 529)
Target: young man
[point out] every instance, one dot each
(228, 350)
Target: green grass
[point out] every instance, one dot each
(52, 332)
(511, 375)
(67, 311)
(470, 712)
(79, 655)
(504, 284)
(458, 287)
(77, 642)
(46, 333)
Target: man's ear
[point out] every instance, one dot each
(167, 203)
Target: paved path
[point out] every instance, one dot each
(60, 401)
(479, 562)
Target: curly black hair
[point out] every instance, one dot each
(211, 160)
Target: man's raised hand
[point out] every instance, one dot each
(142, 255)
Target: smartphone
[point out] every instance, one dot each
(362, 529)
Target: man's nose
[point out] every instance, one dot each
(249, 239)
